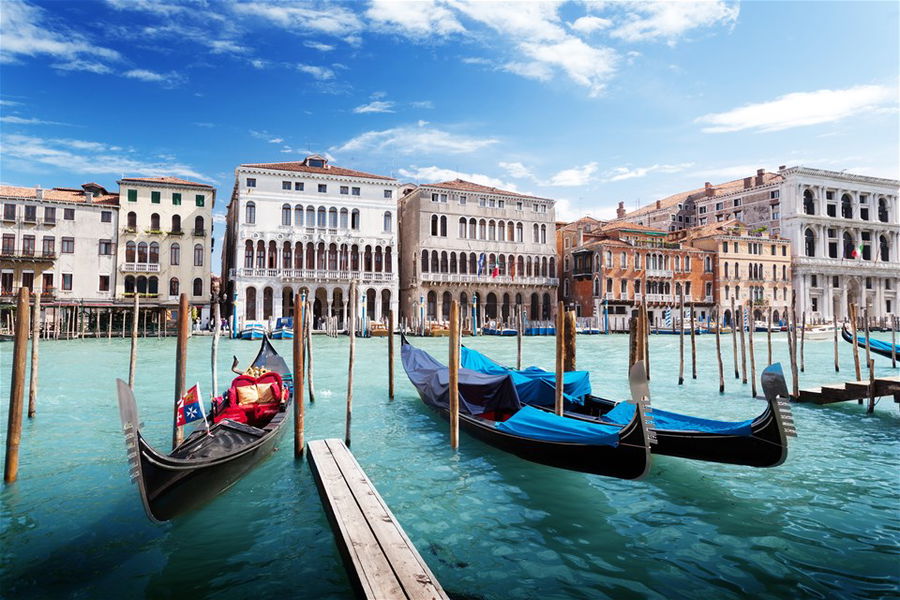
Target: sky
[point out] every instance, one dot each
(587, 103)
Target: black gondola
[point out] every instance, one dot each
(488, 404)
(760, 442)
(205, 464)
(877, 346)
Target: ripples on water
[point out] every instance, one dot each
(824, 525)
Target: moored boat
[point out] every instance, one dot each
(877, 346)
(284, 329)
(243, 431)
(253, 330)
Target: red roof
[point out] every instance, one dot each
(468, 186)
(169, 180)
(59, 195)
(300, 166)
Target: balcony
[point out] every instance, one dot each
(609, 296)
(10, 294)
(664, 273)
(199, 233)
(176, 232)
(133, 267)
(26, 255)
(314, 275)
(49, 222)
(487, 279)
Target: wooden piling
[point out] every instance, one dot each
(803, 341)
(719, 353)
(894, 341)
(769, 336)
(680, 340)
(693, 345)
(792, 331)
(134, 335)
(519, 333)
(35, 350)
(752, 353)
(855, 344)
(390, 336)
(560, 357)
(646, 340)
(352, 329)
(184, 330)
(871, 407)
(868, 343)
(569, 341)
(734, 328)
(309, 350)
(214, 353)
(454, 374)
(17, 389)
(298, 374)
(837, 365)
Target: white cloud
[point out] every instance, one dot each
(671, 20)
(258, 63)
(414, 140)
(574, 177)
(31, 121)
(332, 19)
(590, 24)
(378, 106)
(219, 218)
(206, 124)
(83, 156)
(319, 46)
(799, 109)
(586, 65)
(421, 19)
(25, 32)
(434, 174)
(623, 173)
(226, 46)
(517, 170)
(320, 73)
(422, 104)
(277, 140)
(168, 79)
(91, 66)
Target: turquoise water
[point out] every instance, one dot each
(824, 525)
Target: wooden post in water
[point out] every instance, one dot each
(837, 365)
(646, 357)
(871, 407)
(35, 350)
(184, 330)
(17, 389)
(134, 335)
(390, 334)
(693, 345)
(769, 336)
(734, 326)
(719, 353)
(214, 355)
(560, 357)
(802, 341)
(298, 375)
(308, 326)
(569, 341)
(83, 320)
(752, 354)
(743, 344)
(866, 325)
(519, 325)
(894, 342)
(454, 374)
(855, 344)
(680, 340)
(352, 329)
(792, 331)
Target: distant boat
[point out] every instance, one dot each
(588, 331)
(284, 329)
(253, 330)
(499, 331)
(876, 346)
(819, 332)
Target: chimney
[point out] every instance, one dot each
(38, 193)
(579, 239)
(759, 176)
(708, 190)
(658, 204)
(748, 183)
(782, 167)
(620, 211)
(88, 196)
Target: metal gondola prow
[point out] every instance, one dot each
(132, 429)
(777, 395)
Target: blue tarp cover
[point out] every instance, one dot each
(879, 344)
(534, 386)
(665, 420)
(537, 424)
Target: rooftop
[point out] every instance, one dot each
(74, 195)
(166, 180)
(315, 164)
(476, 188)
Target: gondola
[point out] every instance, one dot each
(204, 465)
(491, 412)
(759, 442)
(877, 346)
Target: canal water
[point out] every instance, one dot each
(826, 524)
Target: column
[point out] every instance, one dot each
(844, 307)
(344, 306)
(277, 302)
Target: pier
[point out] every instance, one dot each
(852, 390)
(382, 562)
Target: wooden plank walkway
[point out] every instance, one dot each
(381, 560)
(851, 390)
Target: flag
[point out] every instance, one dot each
(481, 260)
(668, 317)
(495, 271)
(857, 251)
(512, 269)
(190, 407)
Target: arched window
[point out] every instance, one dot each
(173, 286)
(198, 255)
(286, 258)
(260, 255)
(129, 284)
(443, 226)
(298, 216)
(492, 230)
(388, 221)
(726, 270)
(810, 238)
(462, 228)
(849, 246)
(543, 234)
(332, 218)
(882, 210)
(132, 220)
(285, 214)
(354, 219)
(176, 223)
(321, 217)
(707, 264)
(142, 252)
(435, 268)
(846, 206)
(250, 213)
(199, 226)
(130, 249)
(250, 308)
(473, 227)
(444, 265)
(310, 216)
(424, 261)
(536, 233)
(482, 229)
(141, 287)
(198, 287)
(434, 225)
(809, 204)
(153, 259)
(552, 267)
(519, 232)
(885, 249)
(153, 285)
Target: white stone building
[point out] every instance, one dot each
(59, 242)
(165, 240)
(312, 227)
(461, 239)
(845, 235)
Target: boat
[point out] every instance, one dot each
(378, 329)
(498, 330)
(687, 331)
(877, 346)
(819, 332)
(759, 442)
(763, 327)
(207, 463)
(284, 329)
(490, 411)
(253, 330)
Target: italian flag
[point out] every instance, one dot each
(857, 251)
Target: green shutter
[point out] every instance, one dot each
(132, 195)
(154, 197)
(176, 199)
(201, 199)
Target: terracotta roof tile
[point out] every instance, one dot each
(58, 195)
(169, 180)
(299, 166)
(468, 186)
(617, 225)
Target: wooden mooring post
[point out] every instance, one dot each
(719, 351)
(693, 344)
(752, 353)
(519, 334)
(855, 344)
(837, 364)
(132, 366)
(17, 388)
(871, 407)
(868, 343)
(792, 332)
(453, 363)
(299, 365)
(35, 353)
(646, 342)
(214, 349)
(390, 336)
(743, 344)
(184, 331)
(803, 342)
(569, 341)
(734, 353)
(309, 348)
(680, 340)
(560, 358)
(352, 330)
(894, 321)
(769, 336)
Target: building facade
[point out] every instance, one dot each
(59, 242)
(165, 240)
(476, 244)
(845, 235)
(310, 227)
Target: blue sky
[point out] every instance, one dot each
(587, 103)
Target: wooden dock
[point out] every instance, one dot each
(852, 390)
(383, 564)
